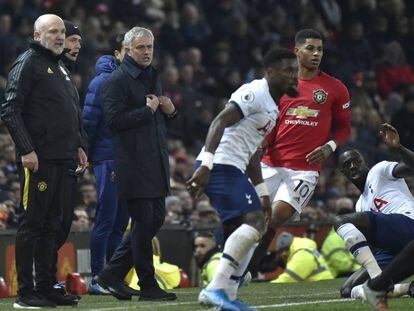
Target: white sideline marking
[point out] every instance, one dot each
(137, 306)
(305, 295)
(279, 305)
(289, 304)
(126, 306)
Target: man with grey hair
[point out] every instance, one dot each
(40, 113)
(136, 114)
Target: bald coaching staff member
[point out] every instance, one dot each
(40, 112)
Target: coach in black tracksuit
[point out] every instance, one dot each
(138, 122)
(41, 113)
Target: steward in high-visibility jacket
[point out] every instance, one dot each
(339, 259)
(209, 266)
(168, 276)
(303, 261)
(207, 255)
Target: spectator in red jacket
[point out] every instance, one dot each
(394, 70)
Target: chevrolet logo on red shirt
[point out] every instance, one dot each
(302, 112)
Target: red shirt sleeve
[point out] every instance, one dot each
(341, 115)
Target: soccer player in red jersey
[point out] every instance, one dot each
(309, 129)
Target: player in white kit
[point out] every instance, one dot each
(385, 209)
(226, 162)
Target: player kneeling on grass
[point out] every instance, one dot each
(385, 209)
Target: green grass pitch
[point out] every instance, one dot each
(263, 296)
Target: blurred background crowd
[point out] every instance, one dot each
(204, 51)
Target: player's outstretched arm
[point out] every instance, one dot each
(391, 137)
(227, 117)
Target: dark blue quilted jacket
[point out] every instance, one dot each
(100, 141)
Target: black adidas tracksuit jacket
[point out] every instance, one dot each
(41, 111)
(41, 107)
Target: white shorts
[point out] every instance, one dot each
(293, 187)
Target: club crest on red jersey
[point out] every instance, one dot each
(319, 96)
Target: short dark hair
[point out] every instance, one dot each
(276, 55)
(353, 150)
(304, 34)
(118, 42)
(205, 234)
(350, 149)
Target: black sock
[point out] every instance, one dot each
(261, 251)
(398, 270)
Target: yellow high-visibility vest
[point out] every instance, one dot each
(339, 259)
(167, 275)
(209, 268)
(305, 263)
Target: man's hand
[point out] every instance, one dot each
(199, 180)
(83, 161)
(166, 105)
(31, 161)
(263, 146)
(390, 136)
(319, 154)
(152, 102)
(267, 208)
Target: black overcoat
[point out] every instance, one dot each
(141, 156)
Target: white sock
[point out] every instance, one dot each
(235, 250)
(357, 292)
(357, 244)
(234, 281)
(399, 290)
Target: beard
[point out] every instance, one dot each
(57, 50)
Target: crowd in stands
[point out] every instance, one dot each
(205, 50)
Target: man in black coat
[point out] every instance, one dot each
(41, 114)
(136, 114)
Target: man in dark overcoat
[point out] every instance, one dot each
(136, 114)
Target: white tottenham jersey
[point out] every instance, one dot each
(240, 141)
(384, 193)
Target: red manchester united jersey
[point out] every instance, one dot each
(321, 109)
